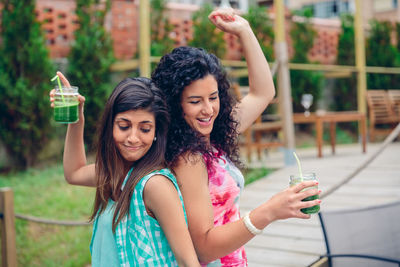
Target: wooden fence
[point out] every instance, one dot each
(7, 217)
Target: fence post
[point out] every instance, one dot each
(8, 248)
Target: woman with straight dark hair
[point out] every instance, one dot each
(138, 215)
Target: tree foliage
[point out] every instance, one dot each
(90, 59)
(381, 52)
(398, 38)
(303, 82)
(25, 72)
(205, 34)
(397, 28)
(161, 42)
(345, 92)
(262, 27)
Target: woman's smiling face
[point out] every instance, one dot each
(133, 133)
(200, 104)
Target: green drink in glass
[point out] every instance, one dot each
(295, 179)
(66, 104)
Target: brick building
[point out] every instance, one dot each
(59, 22)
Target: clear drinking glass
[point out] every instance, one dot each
(295, 179)
(66, 104)
(306, 102)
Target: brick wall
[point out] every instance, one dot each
(59, 23)
(123, 24)
(326, 41)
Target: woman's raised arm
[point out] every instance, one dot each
(262, 89)
(76, 170)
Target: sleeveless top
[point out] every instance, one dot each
(103, 246)
(225, 181)
(139, 238)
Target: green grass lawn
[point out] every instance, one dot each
(253, 174)
(44, 193)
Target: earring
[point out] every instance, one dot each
(155, 138)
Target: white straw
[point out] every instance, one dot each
(298, 165)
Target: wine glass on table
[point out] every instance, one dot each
(306, 102)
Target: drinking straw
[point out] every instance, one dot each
(59, 86)
(298, 165)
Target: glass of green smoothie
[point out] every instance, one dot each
(66, 104)
(308, 176)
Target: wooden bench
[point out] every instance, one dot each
(253, 136)
(383, 110)
(394, 98)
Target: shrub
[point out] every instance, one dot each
(205, 35)
(262, 27)
(89, 61)
(381, 52)
(303, 82)
(161, 43)
(25, 72)
(345, 92)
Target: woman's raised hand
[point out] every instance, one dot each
(227, 20)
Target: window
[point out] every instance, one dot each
(384, 5)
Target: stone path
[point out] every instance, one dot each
(297, 242)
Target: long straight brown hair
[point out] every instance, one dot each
(129, 94)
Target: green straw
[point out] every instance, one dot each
(59, 86)
(298, 165)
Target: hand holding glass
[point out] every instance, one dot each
(295, 179)
(66, 104)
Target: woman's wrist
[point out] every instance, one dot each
(250, 226)
(245, 32)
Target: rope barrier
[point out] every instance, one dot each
(386, 142)
(48, 221)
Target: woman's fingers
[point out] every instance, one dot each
(51, 94)
(63, 79)
(222, 15)
(301, 186)
(226, 13)
(288, 203)
(81, 99)
(302, 215)
(308, 193)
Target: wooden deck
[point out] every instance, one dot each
(297, 242)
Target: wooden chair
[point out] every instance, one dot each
(362, 237)
(394, 98)
(380, 113)
(258, 129)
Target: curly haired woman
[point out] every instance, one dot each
(202, 145)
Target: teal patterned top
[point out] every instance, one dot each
(139, 238)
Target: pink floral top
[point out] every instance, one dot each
(225, 182)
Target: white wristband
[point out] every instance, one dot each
(247, 222)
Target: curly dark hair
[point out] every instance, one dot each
(179, 69)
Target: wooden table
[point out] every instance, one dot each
(333, 118)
